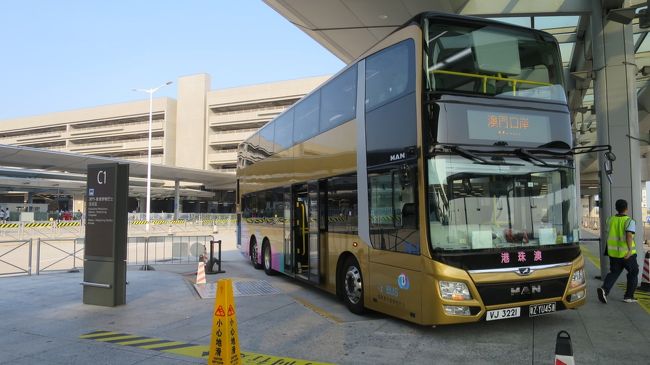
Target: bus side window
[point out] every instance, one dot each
(393, 213)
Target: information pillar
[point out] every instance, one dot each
(107, 191)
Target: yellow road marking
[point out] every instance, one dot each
(593, 258)
(642, 298)
(318, 310)
(188, 349)
(153, 346)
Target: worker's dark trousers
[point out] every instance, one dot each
(616, 266)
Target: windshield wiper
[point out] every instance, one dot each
(478, 159)
(526, 155)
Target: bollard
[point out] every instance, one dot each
(212, 260)
(200, 273)
(563, 349)
(645, 275)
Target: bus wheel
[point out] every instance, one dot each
(253, 253)
(266, 257)
(352, 281)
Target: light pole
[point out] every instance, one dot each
(150, 92)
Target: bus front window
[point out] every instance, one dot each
(494, 61)
(474, 206)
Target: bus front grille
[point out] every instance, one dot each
(504, 293)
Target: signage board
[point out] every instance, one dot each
(100, 210)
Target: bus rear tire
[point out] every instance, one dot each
(253, 254)
(267, 259)
(352, 282)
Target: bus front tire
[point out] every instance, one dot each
(267, 258)
(352, 281)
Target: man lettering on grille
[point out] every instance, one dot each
(621, 250)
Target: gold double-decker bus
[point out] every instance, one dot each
(432, 179)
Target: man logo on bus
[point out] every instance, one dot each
(398, 156)
(403, 282)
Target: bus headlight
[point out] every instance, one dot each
(578, 278)
(454, 290)
(576, 296)
(457, 310)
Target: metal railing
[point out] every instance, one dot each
(12, 254)
(592, 223)
(54, 255)
(62, 254)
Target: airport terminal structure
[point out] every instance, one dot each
(432, 201)
(200, 129)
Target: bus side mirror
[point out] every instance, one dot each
(608, 166)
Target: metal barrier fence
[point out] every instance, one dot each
(58, 254)
(13, 254)
(16, 256)
(592, 223)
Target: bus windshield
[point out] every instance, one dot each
(492, 60)
(483, 206)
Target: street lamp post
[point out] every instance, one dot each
(150, 92)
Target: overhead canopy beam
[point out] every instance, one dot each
(348, 28)
(499, 8)
(38, 158)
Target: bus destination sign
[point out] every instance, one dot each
(501, 126)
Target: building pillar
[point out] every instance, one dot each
(177, 198)
(28, 201)
(191, 121)
(78, 203)
(615, 100)
(142, 204)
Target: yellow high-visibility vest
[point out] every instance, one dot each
(616, 242)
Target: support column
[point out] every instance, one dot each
(78, 201)
(29, 201)
(142, 203)
(617, 118)
(177, 198)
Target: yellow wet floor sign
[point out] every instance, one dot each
(188, 349)
(224, 339)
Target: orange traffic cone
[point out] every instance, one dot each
(200, 273)
(645, 276)
(563, 349)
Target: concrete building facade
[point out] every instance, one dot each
(199, 129)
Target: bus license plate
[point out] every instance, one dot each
(504, 313)
(539, 309)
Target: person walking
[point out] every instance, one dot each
(621, 250)
(3, 217)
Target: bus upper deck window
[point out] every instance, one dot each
(496, 52)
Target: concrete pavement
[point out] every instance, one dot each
(42, 319)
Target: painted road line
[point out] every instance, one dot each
(642, 298)
(187, 349)
(130, 339)
(318, 310)
(593, 258)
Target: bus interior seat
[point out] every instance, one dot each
(409, 216)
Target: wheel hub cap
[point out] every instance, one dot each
(353, 286)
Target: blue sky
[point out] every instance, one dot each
(63, 55)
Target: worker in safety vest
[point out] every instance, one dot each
(621, 250)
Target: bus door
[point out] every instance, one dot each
(305, 232)
(288, 232)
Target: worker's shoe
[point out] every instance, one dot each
(629, 300)
(601, 295)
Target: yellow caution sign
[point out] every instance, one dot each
(224, 340)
